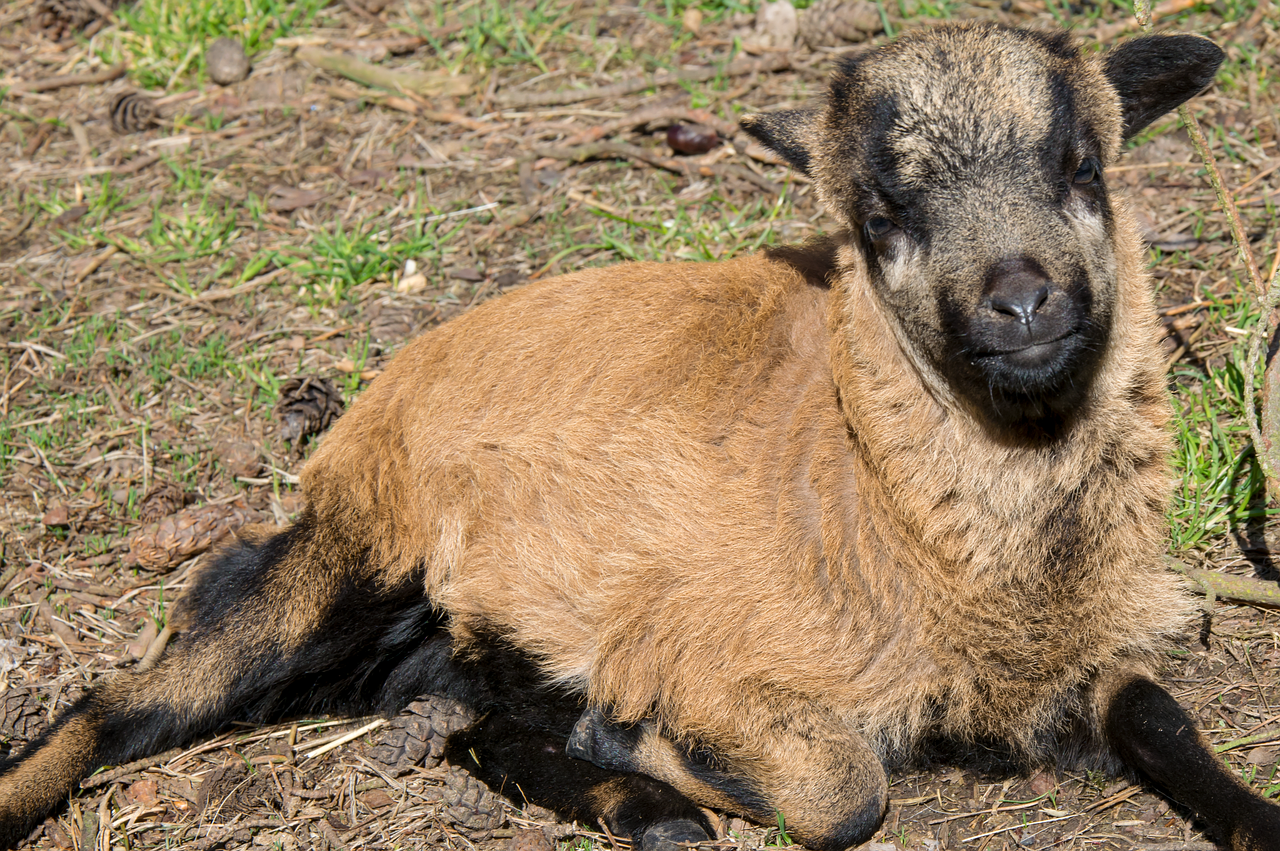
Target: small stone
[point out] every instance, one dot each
(777, 25)
(692, 20)
(226, 62)
(412, 283)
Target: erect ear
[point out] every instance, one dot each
(1157, 73)
(788, 134)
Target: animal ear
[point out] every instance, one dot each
(1156, 73)
(788, 134)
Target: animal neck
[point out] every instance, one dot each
(971, 500)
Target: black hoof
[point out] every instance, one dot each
(667, 835)
(581, 743)
(598, 740)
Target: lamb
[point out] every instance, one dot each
(746, 534)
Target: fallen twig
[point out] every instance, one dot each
(655, 115)
(402, 81)
(1108, 32)
(413, 107)
(18, 230)
(50, 83)
(128, 768)
(690, 169)
(770, 62)
(1225, 586)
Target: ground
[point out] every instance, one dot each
(163, 280)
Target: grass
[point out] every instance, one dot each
(1220, 491)
(163, 41)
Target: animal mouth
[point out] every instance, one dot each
(1036, 354)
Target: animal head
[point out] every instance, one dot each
(967, 165)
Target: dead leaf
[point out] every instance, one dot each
(241, 458)
(376, 799)
(60, 629)
(1043, 782)
(70, 216)
(289, 199)
(1261, 756)
(137, 648)
(56, 515)
(368, 176)
(144, 792)
(692, 20)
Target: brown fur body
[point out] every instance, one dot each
(704, 512)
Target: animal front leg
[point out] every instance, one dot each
(1154, 735)
(525, 761)
(823, 781)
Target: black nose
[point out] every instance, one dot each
(1020, 298)
(1021, 301)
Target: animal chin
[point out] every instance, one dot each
(1053, 374)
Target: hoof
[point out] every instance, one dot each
(597, 740)
(667, 835)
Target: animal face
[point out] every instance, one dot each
(968, 165)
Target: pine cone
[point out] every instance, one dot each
(179, 536)
(22, 715)
(307, 406)
(470, 807)
(416, 736)
(163, 499)
(132, 113)
(59, 18)
(831, 22)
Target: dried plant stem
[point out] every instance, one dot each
(1267, 294)
(1225, 199)
(640, 82)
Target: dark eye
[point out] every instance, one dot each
(878, 227)
(1087, 173)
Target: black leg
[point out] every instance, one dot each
(526, 763)
(290, 624)
(1154, 735)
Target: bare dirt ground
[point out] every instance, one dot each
(160, 284)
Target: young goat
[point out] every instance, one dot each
(741, 534)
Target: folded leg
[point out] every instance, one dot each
(822, 778)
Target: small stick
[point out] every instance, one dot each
(93, 264)
(342, 740)
(771, 62)
(51, 83)
(652, 115)
(152, 656)
(596, 150)
(1225, 586)
(418, 82)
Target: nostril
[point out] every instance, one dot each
(1021, 305)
